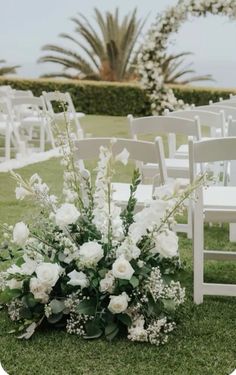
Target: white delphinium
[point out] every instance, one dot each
(106, 214)
(147, 219)
(20, 234)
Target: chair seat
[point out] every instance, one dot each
(71, 115)
(33, 120)
(177, 168)
(121, 193)
(220, 198)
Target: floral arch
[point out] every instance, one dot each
(151, 57)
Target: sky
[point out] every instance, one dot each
(26, 25)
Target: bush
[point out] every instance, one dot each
(117, 99)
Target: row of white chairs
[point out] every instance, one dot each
(22, 114)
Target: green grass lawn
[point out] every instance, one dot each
(204, 342)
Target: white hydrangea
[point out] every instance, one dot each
(66, 214)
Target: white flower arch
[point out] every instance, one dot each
(153, 52)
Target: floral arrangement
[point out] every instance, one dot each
(88, 265)
(154, 48)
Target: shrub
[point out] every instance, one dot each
(117, 99)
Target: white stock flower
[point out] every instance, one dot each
(66, 214)
(122, 269)
(39, 289)
(90, 253)
(166, 244)
(78, 279)
(20, 233)
(123, 157)
(107, 284)
(48, 273)
(21, 193)
(118, 304)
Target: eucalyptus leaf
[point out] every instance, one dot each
(134, 281)
(111, 330)
(125, 319)
(57, 306)
(169, 305)
(55, 318)
(93, 330)
(87, 307)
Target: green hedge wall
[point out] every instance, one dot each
(117, 99)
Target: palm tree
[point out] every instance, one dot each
(109, 51)
(174, 70)
(4, 70)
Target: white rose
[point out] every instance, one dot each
(107, 284)
(90, 253)
(39, 289)
(123, 157)
(20, 233)
(118, 304)
(21, 193)
(14, 284)
(48, 273)
(166, 244)
(122, 269)
(78, 279)
(66, 214)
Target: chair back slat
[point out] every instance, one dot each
(164, 125)
(142, 151)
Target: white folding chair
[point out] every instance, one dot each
(31, 113)
(224, 102)
(59, 97)
(228, 111)
(211, 204)
(147, 152)
(170, 126)
(215, 121)
(10, 130)
(21, 93)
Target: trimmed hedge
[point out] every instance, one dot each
(117, 99)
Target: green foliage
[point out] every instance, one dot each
(115, 99)
(109, 48)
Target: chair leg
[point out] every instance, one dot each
(42, 138)
(190, 221)
(198, 255)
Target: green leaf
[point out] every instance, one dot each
(9, 294)
(111, 330)
(93, 330)
(55, 318)
(57, 306)
(102, 272)
(25, 313)
(87, 307)
(20, 261)
(134, 281)
(125, 319)
(29, 300)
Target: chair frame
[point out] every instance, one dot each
(213, 150)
